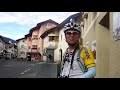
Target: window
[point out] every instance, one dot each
(22, 46)
(34, 46)
(35, 55)
(35, 37)
(22, 52)
(48, 26)
(61, 37)
(51, 38)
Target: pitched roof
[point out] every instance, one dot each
(27, 35)
(39, 25)
(47, 21)
(61, 25)
(8, 40)
(47, 32)
(33, 29)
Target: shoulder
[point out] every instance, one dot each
(85, 49)
(86, 53)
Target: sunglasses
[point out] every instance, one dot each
(74, 33)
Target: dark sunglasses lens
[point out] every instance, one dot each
(69, 33)
(75, 33)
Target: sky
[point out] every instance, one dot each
(15, 25)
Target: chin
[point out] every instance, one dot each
(72, 44)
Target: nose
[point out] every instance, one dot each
(71, 34)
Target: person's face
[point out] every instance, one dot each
(72, 37)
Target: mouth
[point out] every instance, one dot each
(72, 39)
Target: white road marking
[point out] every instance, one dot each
(22, 73)
(28, 69)
(25, 71)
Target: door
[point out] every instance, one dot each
(50, 55)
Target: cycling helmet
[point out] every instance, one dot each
(72, 26)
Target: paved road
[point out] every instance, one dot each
(27, 69)
(16, 68)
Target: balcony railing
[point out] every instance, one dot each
(51, 45)
(33, 50)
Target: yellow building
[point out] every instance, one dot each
(101, 33)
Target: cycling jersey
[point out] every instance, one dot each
(87, 59)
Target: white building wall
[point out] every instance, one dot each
(61, 45)
(1, 46)
(24, 49)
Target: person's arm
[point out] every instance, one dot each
(90, 73)
(88, 58)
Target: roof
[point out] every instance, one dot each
(61, 25)
(39, 25)
(8, 40)
(27, 35)
(33, 29)
(47, 32)
(47, 21)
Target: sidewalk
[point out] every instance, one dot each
(43, 70)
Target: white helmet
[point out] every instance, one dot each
(72, 26)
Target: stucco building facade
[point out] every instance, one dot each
(100, 32)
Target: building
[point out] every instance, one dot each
(9, 47)
(35, 42)
(22, 48)
(50, 43)
(2, 47)
(101, 32)
(54, 39)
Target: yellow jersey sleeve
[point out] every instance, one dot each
(87, 56)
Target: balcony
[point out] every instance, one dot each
(51, 45)
(33, 50)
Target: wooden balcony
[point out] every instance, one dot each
(51, 45)
(33, 50)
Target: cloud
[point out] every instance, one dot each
(14, 37)
(32, 18)
(18, 36)
(6, 35)
(27, 20)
